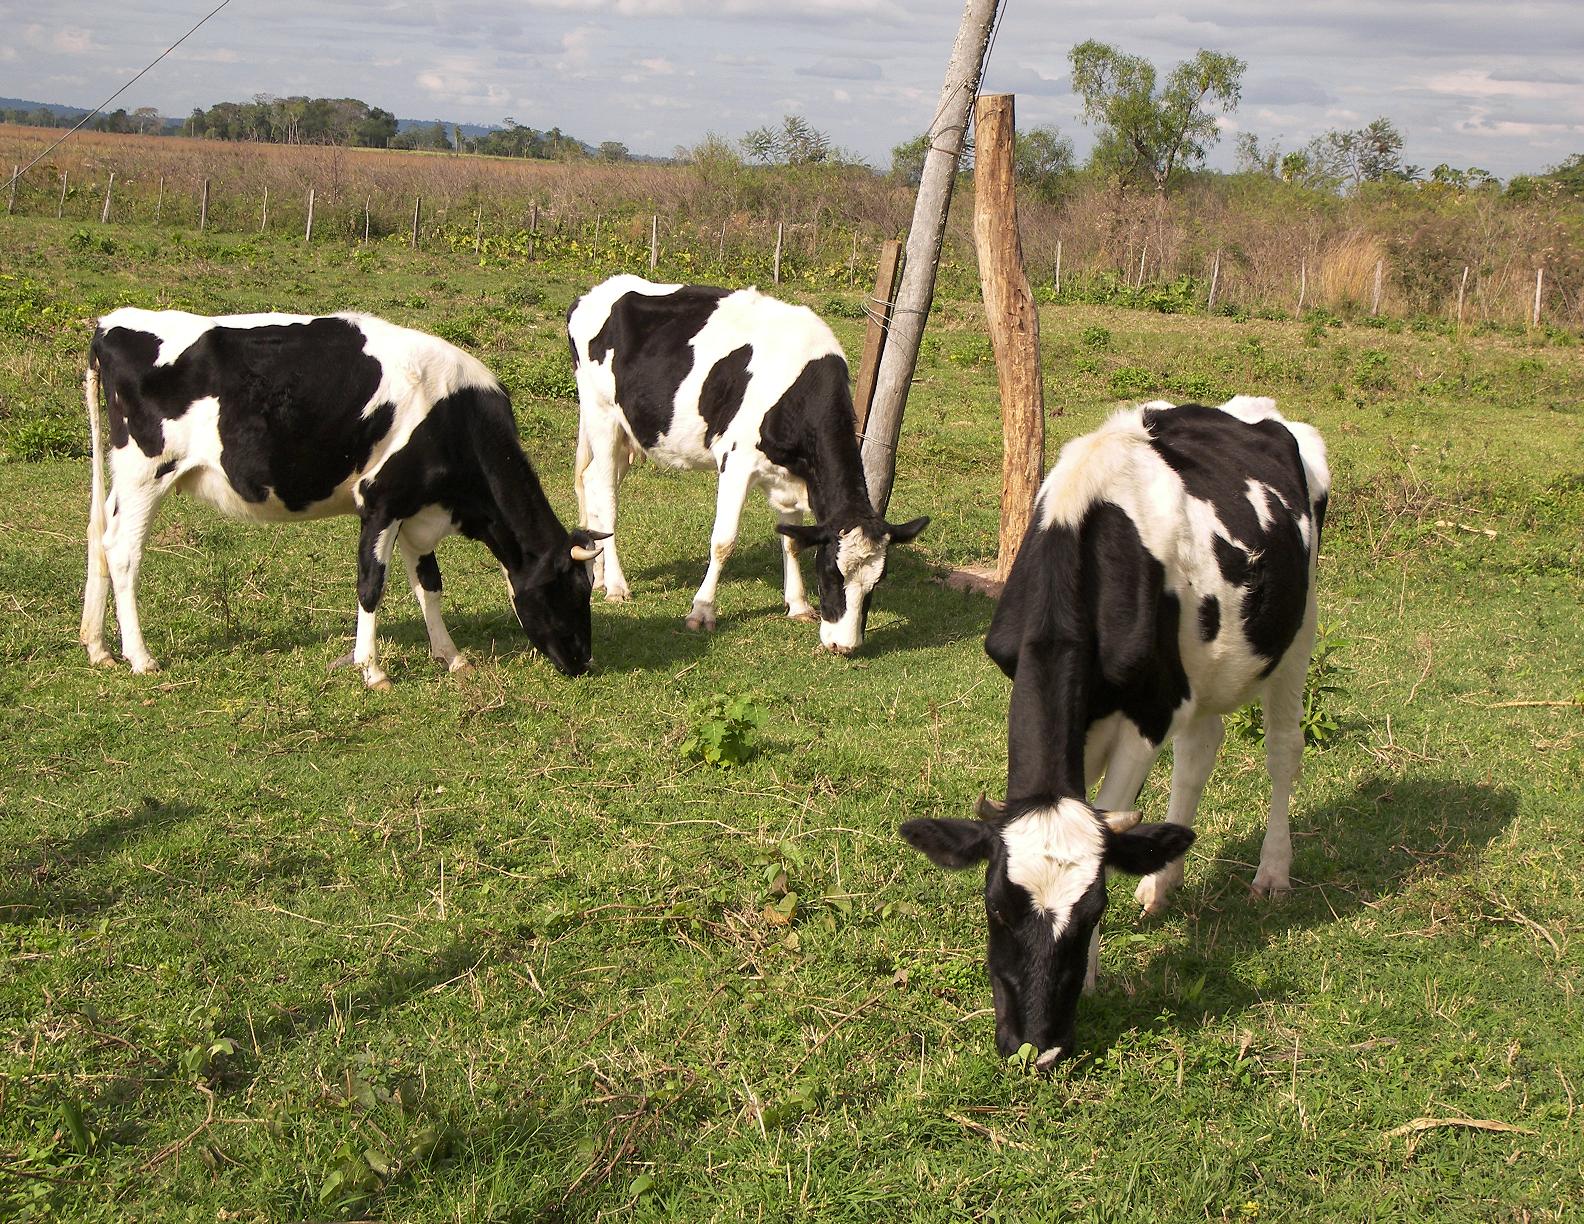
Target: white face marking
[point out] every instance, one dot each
(860, 559)
(1055, 853)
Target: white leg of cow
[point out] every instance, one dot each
(604, 455)
(1126, 766)
(798, 607)
(128, 514)
(730, 494)
(1193, 757)
(1282, 703)
(375, 543)
(423, 576)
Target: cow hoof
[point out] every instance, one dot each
(144, 666)
(98, 656)
(1270, 887)
(806, 616)
(1152, 894)
(701, 618)
(458, 663)
(379, 682)
(618, 595)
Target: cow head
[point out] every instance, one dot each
(849, 563)
(551, 599)
(1044, 893)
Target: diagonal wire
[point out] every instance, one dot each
(81, 123)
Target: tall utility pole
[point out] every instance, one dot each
(946, 136)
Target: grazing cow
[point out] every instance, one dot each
(1168, 579)
(696, 377)
(277, 416)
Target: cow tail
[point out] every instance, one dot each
(585, 456)
(98, 567)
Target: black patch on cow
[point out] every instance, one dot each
(1087, 628)
(165, 469)
(1209, 618)
(1216, 455)
(292, 399)
(651, 335)
(809, 431)
(428, 570)
(723, 391)
(1320, 505)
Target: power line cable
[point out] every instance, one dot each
(81, 123)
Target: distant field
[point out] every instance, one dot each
(489, 947)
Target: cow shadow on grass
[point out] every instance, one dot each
(1347, 855)
(56, 877)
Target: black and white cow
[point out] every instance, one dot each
(277, 416)
(698, 377)
(1168, 578)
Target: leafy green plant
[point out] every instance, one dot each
(723, 731)
(1374, 370)
(1095, 337)
(1128, 381)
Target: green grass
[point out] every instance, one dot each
(493, 947)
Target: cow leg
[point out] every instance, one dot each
(129, 511)
(375, 542)
(1282, 702)
(603, 456)
(1127, 764)
(798, 607)
(423, 576)
(730, 494)
(1193, 757)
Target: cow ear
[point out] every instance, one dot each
(807, 534)
(950, 843)
(901, 533)
(1148, 848)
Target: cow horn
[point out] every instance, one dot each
(989, 809)
(1121, 822)
(581, 552)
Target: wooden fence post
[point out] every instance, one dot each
(533, 230)
(159, 201)
(1462, 285)
(264, 215)
(11, 199)
(1056, 280)
(1375, 300)
(203, 208)
(478, 229)
(1143, 251)
(1012, 318)
(104, 215)
(852, 260)
(1539, 285)
(308, 233)
(879, 312)
(365, 220)
(417, 213)
(720, 247)
(654, 241)
(775, 272)
(60, 206)
(1215, 276)
(1303, 283)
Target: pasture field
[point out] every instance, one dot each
(492, 947)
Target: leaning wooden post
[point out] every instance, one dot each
(1375, 300)
(365, 220)
(104, 215)
(1539, 285)
(1012, 318)
(417, 214)
(11, 199)
(917, 290)
(308, 232)
(879, 312)
(1462, 285)
(159, 202)
(1215, 276)
(1056, 280)
(654, 241)
(1303, 283)
(60, 205)
(203, 208)
(478, 229)
(264, 214)
(775, 271)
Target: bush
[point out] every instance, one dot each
(48, 438)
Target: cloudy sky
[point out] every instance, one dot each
(1469, 82)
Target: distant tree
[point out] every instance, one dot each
(1369, 155)
(375, 129)
(1043, 158)
(613, 150)
(148, 120)
(1569, 175)
(1147, 136)
(795, 143)
(907, 159)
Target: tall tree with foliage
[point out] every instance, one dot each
(795, 143)
(1147, 135)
